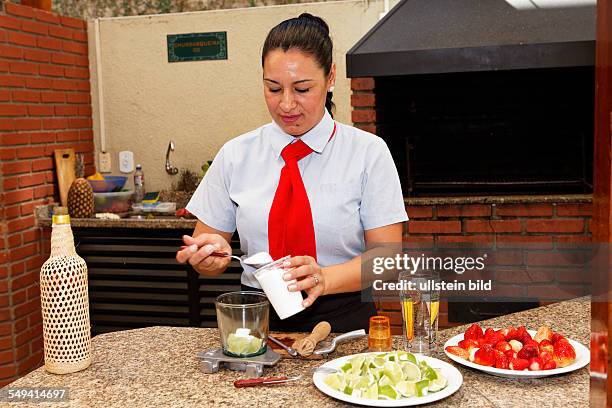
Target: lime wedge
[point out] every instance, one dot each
(356, 363)
(429, 373)
(422, 387)
(384, 380)
(371, 392)
(411, 372)
(411, 358)
(335, 381)
(407, 389)
(387, 392)
(394, 371)
(346, 367)
(348, 390)
(379, 361)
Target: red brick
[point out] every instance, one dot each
(42, 164)
(26, 96)
(10, 22)
(46, 16)
(40, 110)
(51, 70)
(28, 124)
(43, 191)
(365, 115)
(506, 290)
(570, 210)
(572, 275)
(466, 210)
(80, 123)
(67, 136)
(492, 226)
(555, 225)
(65, 85)
(31, 363)
(462, 240)
(20, 296)
(18, 38)
(506, 257)
(74, 47)
(556, 292)
(524, 241)
(22, 351)
(60, 32)
(55, 123)
(524, 275)
(14, 240)
(9, 51)
(557, 259)
(14, 168)
(37, 55)
(62, 58)
(434, 227)
(8, 154)
(82, 85)
(12, 110)
(573, 241)
(28, 208)
(23, 68)
(81, 73)
(4, 66)
(49, 43)
(363, 100)
(28, 334)
(7, 371)
(418, 241)
(367, 128)
(19, 10)
(6, 329)
(5, 95)
(78, 97)
(419, 211)
(362, 84)
(47, 97)
(12, 80)
(10, 183)
(43, 137)
(66, 110)
(30, 152)
(15, 138)
(31, 236)
(80, 36)
(26, 279)
(81, 61)
(524, 210)
(38, 83)
(35, 27)
(84, 110)
(17, 196)
(73, 22)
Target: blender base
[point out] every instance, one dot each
(213, 359)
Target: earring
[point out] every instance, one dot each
(331, 89)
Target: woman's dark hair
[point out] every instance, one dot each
(309, 34)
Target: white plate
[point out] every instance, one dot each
(583, 355)
(454, 377)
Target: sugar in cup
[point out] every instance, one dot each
(270, 277)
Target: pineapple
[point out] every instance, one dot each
(80, 194)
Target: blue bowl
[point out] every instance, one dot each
(109, 184)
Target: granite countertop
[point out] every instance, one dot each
(157, 367)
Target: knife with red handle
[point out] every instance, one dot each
(254, 382)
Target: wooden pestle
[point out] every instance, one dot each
(306, 345)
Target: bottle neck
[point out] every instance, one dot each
(62, 241)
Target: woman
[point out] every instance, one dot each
(303, 185)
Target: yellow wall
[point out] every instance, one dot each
(200, 105)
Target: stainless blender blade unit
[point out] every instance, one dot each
(213, 359)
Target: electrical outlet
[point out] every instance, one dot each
(104, 161)
(126, 161)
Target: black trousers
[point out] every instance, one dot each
(344, 312)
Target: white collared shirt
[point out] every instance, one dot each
(351, 182)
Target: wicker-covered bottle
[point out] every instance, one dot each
(65, 303)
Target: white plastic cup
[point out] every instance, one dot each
(270, 277)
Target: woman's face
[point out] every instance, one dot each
(295, 88)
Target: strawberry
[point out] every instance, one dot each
(510, 354)
(493, 337)
(520, 331)
(546, 345)
(550, 365)
(473, 332)
(504, 332)
(485, 356)
(544, 333)
(503, 346)
(536, 364)
(546, 356)
(518, 364)
(525, 337)
(468, 344)
(528, 352)
(530, 342)
(555, 337)
(502, 361)
(516, 345)
(458, 351)
(512, 334)
(564, 353)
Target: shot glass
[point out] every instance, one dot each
(379, 335)
(420, 299)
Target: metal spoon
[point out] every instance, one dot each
(292, 352)
(254, 260)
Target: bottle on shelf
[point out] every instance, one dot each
(65, 302)
(139, 186)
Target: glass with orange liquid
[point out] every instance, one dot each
(420, 307)
(379, 335)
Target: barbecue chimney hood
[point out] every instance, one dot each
(441, 36)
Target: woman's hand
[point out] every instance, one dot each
(197, 253)
(309, 275)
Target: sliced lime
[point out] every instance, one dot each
(411, 372)
(387, 392)
(422, 387)
(346, 367)
(371, 392)
(407, 389)
(335, 381)
(394, 371)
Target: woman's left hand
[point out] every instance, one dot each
(309, 276)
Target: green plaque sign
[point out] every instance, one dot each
(197, 46)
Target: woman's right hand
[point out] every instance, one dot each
(197, 253)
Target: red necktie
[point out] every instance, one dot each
(290, 226)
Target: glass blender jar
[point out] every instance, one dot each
(243, 319)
